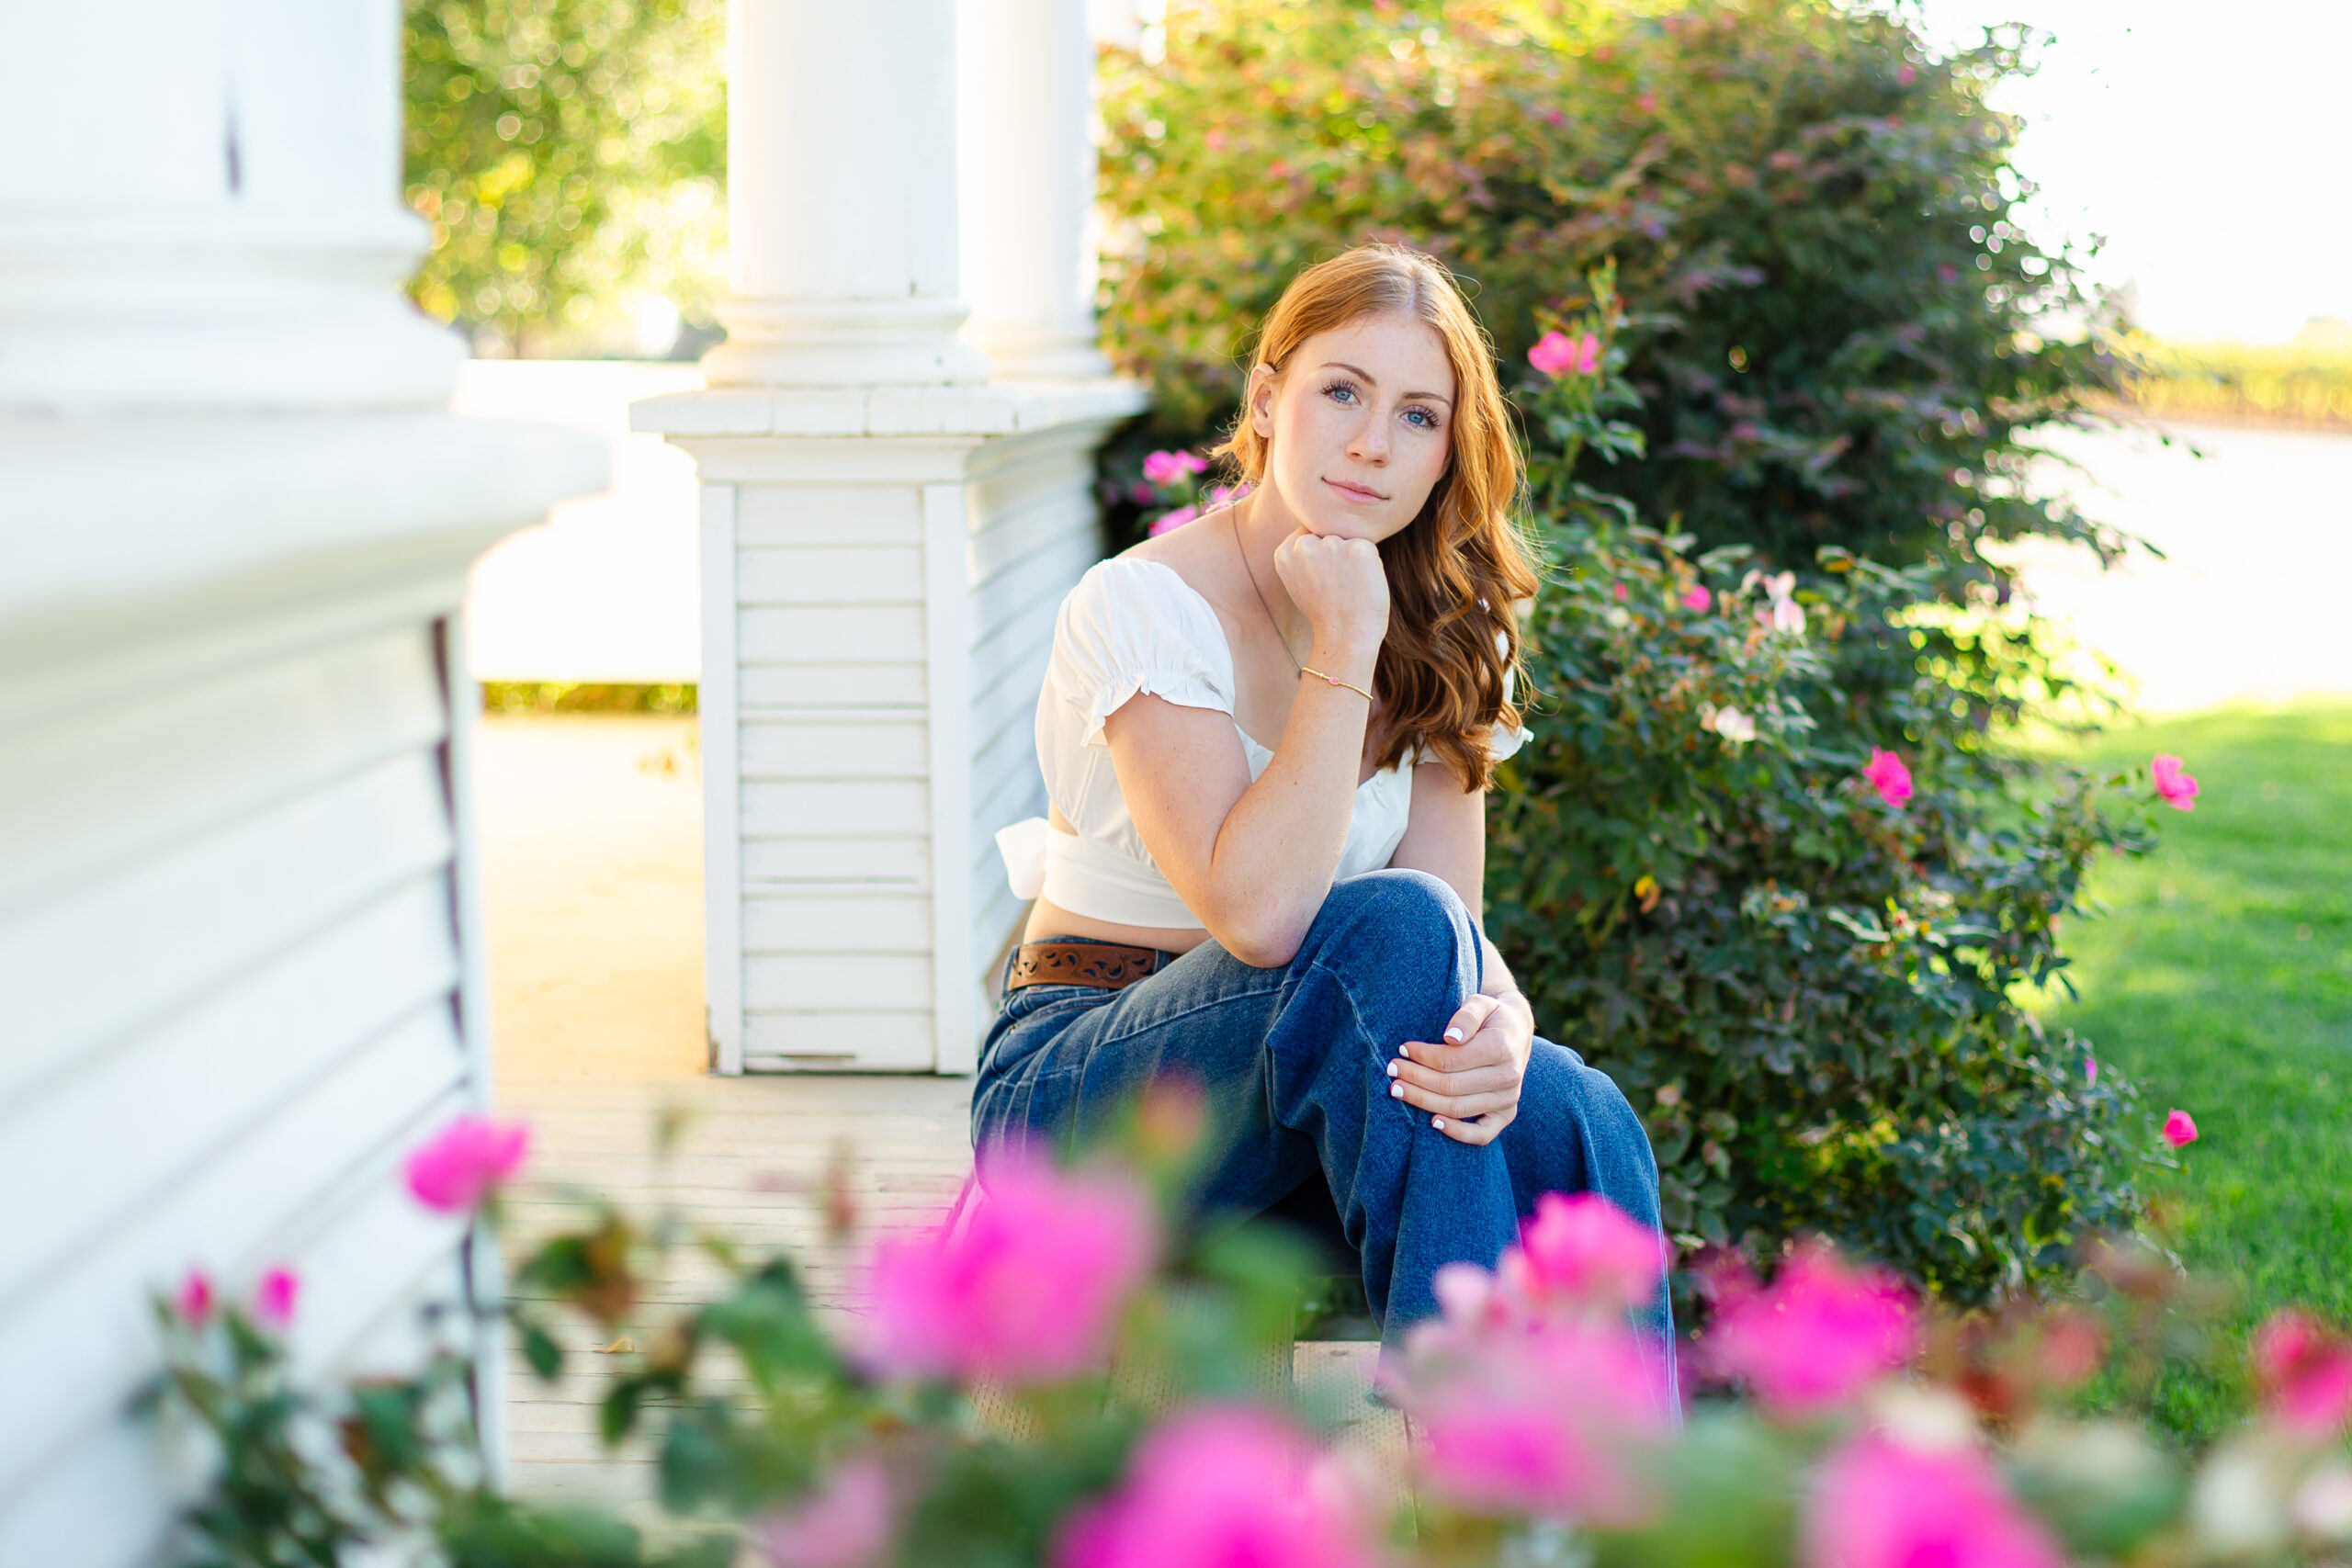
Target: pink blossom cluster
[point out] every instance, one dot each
(1886, 774)
(1165, 468)
(1027, 1289)
(1816, 1337)
(2180, 1128)
(465, 1162)
(274, 1298)
(1223, 1487)
(2305, 1375)
(848, 1522)
(2174, 787)
(1530, 1393)
(1879, 1503)
(1557, 354)
(1219, 496)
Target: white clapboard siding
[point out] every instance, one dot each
(232, 973)
(892, 561)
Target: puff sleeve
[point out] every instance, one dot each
(1132, 627)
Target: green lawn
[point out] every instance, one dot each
(2221, 979)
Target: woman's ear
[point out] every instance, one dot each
(1261, 400)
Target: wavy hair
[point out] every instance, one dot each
(1458, 569)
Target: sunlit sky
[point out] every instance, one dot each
(2211, 144)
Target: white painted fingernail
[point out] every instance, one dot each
(1406, 1051)
(1454, 1036)
(1438, 1122)
(1396, 1092)
(1392, 1069)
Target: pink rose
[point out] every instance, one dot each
(1588, 1249)
(1549, 1421)
(2305, 1374)
(1875, 1504)
(1885, 773)
(2176, 788)
(194, 1300)
(1165, 468)
(1697, 598)
(1555, 353)
(1028, 1290)
(2180, 1128)
(464, 1162)
(846, 1523)
(1169, 521)
(274, 1298)
(1221, 1486)
(1816, 1337)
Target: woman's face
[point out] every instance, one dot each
(1358, 425)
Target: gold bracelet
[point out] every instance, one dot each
(1351, 685)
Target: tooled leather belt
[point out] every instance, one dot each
(1082, 963)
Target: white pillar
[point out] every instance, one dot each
(223, 229)
(886, 537)
(239, 949)
(1025, 77)
(841, 197)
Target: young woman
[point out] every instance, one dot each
(1267, 738)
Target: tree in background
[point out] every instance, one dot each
(571, 156)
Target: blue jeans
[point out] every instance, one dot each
(1295, 1064)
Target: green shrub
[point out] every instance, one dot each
(1845, 341)
(1809, 987)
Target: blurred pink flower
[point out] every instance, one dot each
(2176, 788)
(464, 1162)
(1697, 598)
(1875, 1504)
(1816, 1337)
(846, 1523)
(1588, 1249)
(1220, 1486)
(2305, 1373)
(2090, 1069)
(194, 1300)
(1618, 591)
(1788, 615)
(1906, 76)
(274, 1298)
(1885, 773)
(1557, 354)
(1221, 494)
(1647, 103)
(1547, 1422)
(2180, 1128)
(1028, 1290)
(1172, 468)
(1168, 520)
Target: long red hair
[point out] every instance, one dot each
(1457, 569)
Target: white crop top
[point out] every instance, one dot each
(1131, 626)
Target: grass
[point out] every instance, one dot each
(2221, 981)
(2297, 383)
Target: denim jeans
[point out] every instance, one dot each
(1295, 1064)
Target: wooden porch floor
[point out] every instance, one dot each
(590, 831)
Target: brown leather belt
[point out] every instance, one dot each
(1080, 964)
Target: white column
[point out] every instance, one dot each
(223, 229)
(840, 126)
(1025, 79)
(238, 936)
(885, 533)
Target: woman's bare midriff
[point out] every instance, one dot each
(1048, 919)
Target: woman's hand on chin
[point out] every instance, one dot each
(1469, 1082)
(1341, 587)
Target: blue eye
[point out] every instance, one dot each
(1340, 389)
(1428, 420)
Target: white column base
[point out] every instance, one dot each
(838, 343)
(893, 559)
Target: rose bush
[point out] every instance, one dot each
(1840, 1422)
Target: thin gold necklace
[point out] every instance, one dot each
(1261, 592)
